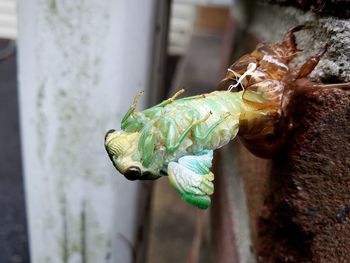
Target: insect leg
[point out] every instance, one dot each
(289, 38)
(169, 124)
(171, 146)
(146, 144)
(304, 84)
(131, 109)
(203, 137)
(310, 64)
(168, 101)
(336, 85)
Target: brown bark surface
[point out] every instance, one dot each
(254, 172)
(306, 214)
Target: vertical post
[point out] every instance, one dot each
(230, 223)
(80, 64)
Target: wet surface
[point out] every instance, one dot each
(13, 233)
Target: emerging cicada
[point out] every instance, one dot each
(177, 137)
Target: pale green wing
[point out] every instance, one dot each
(192, 179)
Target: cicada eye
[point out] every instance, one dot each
(108, 133)
(133, 173)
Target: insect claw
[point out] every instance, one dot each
(203, 119)
(177, 94)
(171, 99)
(136, 99)
(289, 42)
(311, 63)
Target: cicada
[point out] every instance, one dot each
(176, 138)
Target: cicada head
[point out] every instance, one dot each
(122, 148)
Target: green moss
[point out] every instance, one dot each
(72, 81)
(53, 7)
(42, 121)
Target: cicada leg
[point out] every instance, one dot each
(203, 137)
(131, 109)
(308, 67)
(172, 146)
(336, 85)
(310, 64)
(146, 144)
(169, 124)
(168, 101)
(288, 40)
(303, 85)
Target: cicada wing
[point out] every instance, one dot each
(192, 179)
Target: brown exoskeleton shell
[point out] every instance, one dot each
(269, 91)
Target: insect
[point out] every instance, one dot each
(176, 138)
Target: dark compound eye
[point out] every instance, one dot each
(133, 173)
(110, 131)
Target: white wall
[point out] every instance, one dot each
(8, 19)
(80, 64)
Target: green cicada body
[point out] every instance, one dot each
(177, 137)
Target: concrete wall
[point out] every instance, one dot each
(272, 21)
(80, 64)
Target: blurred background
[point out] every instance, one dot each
(68, 73)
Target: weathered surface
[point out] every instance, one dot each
(79, 68)
(271, 22)
(306, 215)
(338, 8)
(254, 172)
